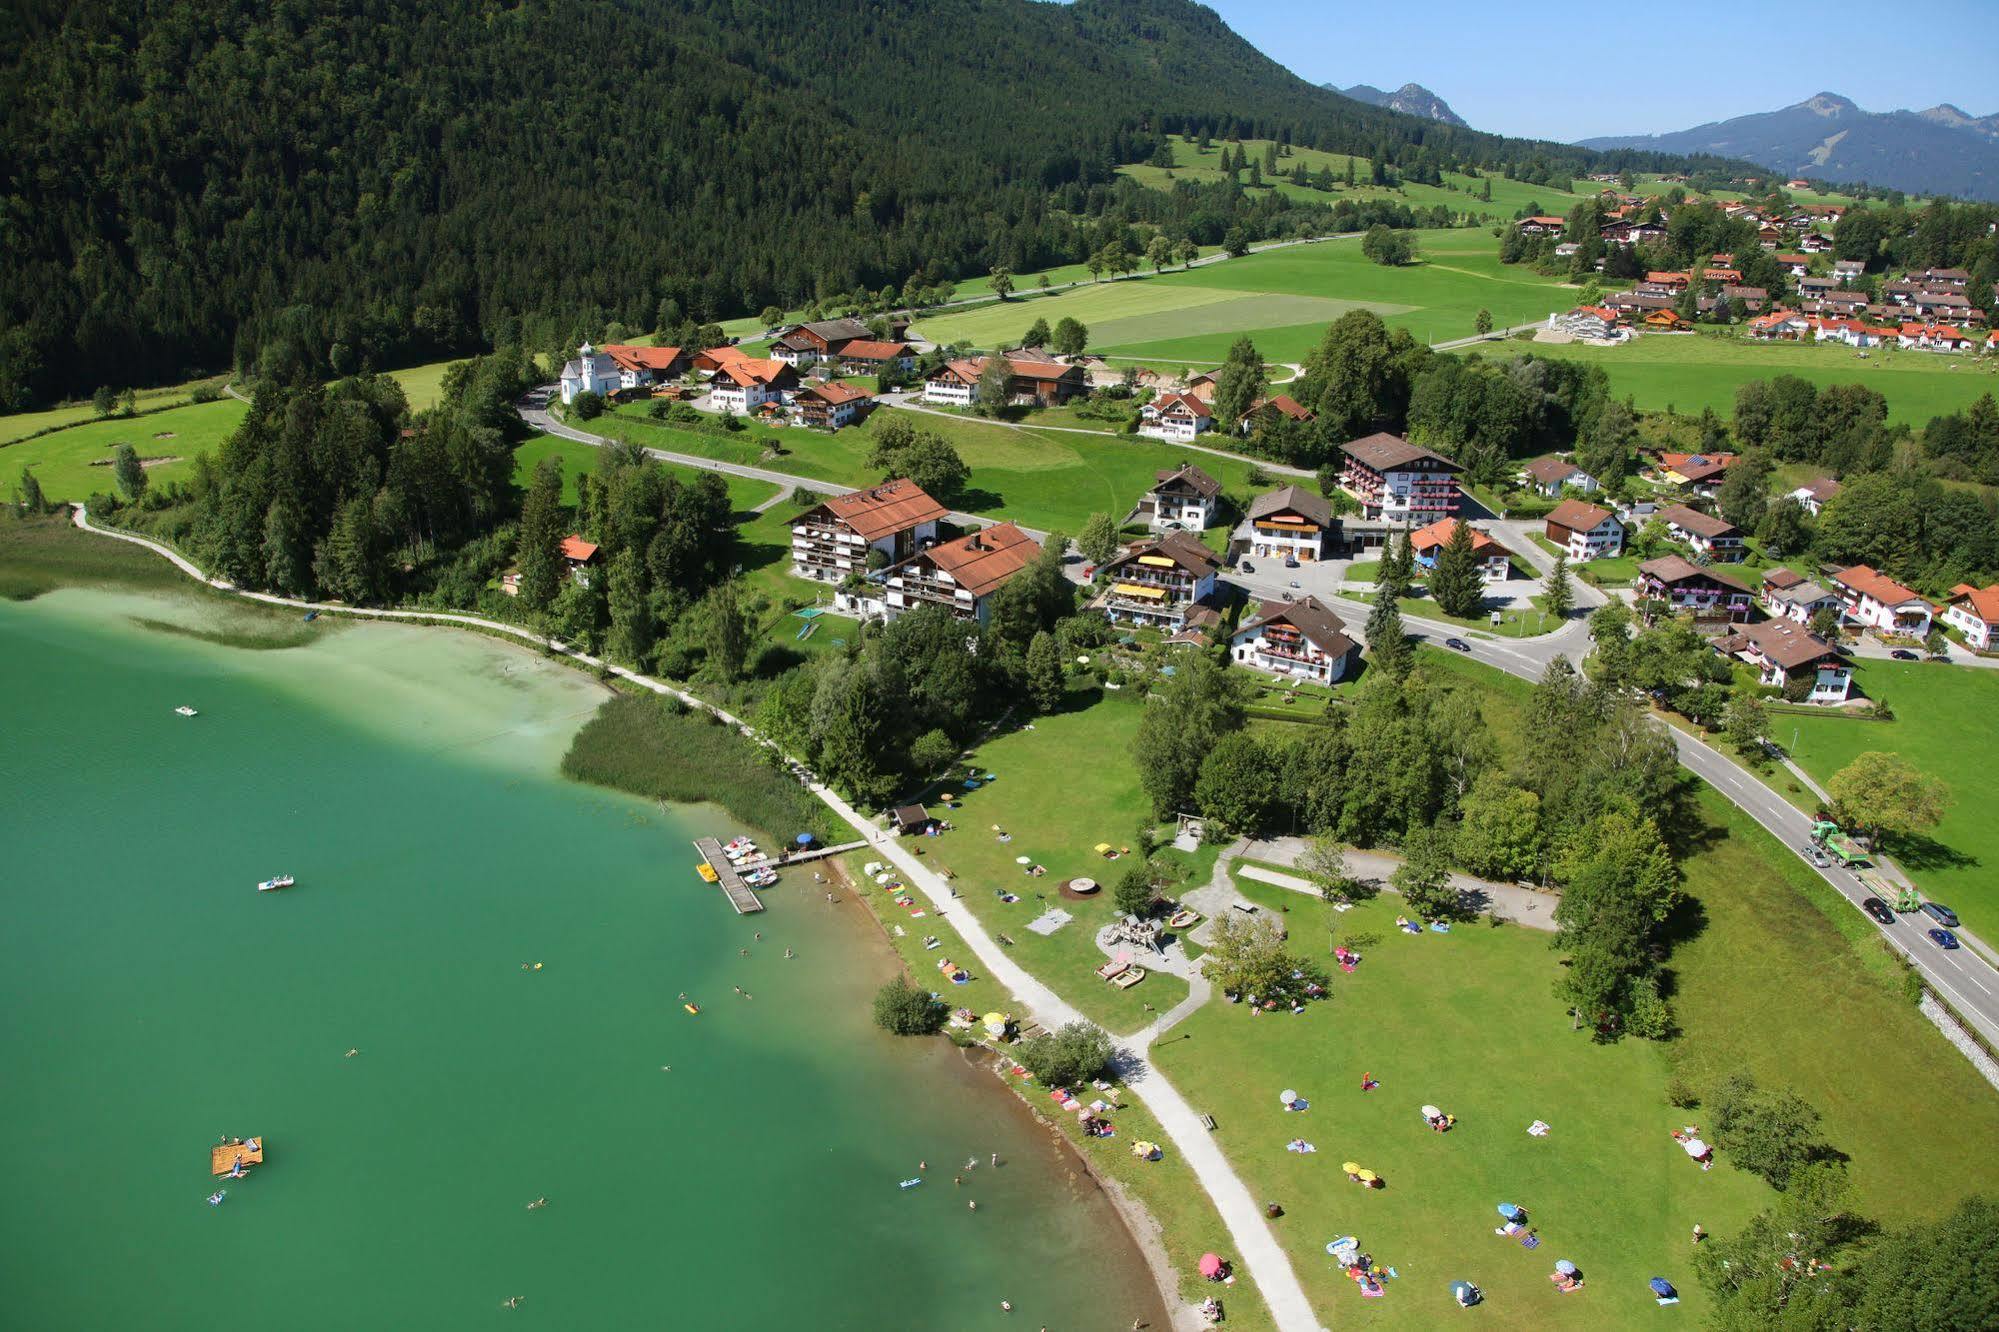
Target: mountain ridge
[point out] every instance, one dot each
(1827, 136)
(1411, 99)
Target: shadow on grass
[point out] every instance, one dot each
(1923, 854)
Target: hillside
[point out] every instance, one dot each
(1939, 151)
(186, 185)
(1411, 99)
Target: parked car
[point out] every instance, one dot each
(1942, 938)
(1903, 654)
(1878, 909)
(1818, 858)
(1457, 645)
(1940, 913)
(1294, 582)
(1290, 561)
(1247, 567)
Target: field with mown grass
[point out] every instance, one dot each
(577, 459)
(75, 463)
(1686, 372)
(1947, 724)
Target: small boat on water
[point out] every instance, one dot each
(762, 877)
(692, 1008)
(272, 885)
(910, 1183)
(186, 711)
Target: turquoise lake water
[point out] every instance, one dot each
(155, 1001)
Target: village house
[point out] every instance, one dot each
(1788, 595)
(580, 557)
(1298, 640)
(1267, 411)
(1633, 304)
(1399, 482)
(1664, 321)
(1974, 612)
(1686, 586)
(867, 356)
(1741, 299)
(834, 538)
(1289, 523)
(1494, 561)
(1716, 538)
(1809, 287)
(642, 366)
(745, 385)
(1813, 242)
(711, 359)
(1813, 495)
(1700, 473)
(1670, 283)
(961, 575)
(1547, 476)
(1875, 601)
(1202, 385)
(1159, 581)
(831, 405)
(1780, 325)
(1586, 321)
(1584, 531)
(1031, 381)
(802, 344)
(1175, 416)
(1788, 656)
(1849, 271)
(1181, 497)
(1955, 278)
(1541, 226)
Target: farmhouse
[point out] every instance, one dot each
(1183, 496)
(1707, 535)
(831, 405)
(640, 366)
(1289, 523)
(1685, 586)
(1790, 657)
(1699, 472)
(1494, 561)
(1399, 482)
(961, 575)
(1302, 640)
(1159, 581)
(1812, 496)
(1874, 600)
(1548, 476)
(1585, 531)
(865, 355)
(1541, 226)
(1267, 411)
(821, 340)
(711, 359)
(833, 539)
(745, 385)
(1177, 416)
(1031, 380)
(1974, 612)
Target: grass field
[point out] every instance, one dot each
(422, 384)
(1687, 373)
(67, 463)
(744, 493)
(1945, 717)
(21, 424)
(1281, 298)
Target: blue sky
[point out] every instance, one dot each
(1571, 71)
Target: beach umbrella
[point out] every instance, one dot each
(1287, 1096)
(804, 839)
(1565, 1267)
(1367, 1176)
(1509, 1211)
(1461, 1291)
(1211, 1265)
(1103, 847)
(1432, 1112)
(1350, 1167)
(1695, 1148)
(1023, 860)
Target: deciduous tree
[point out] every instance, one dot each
(1099, 538)
(1885, 793)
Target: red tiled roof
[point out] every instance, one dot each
(1284, 404)
(980, 561)
(1869, 582)
(1700, 524)
(1577, 515)
(1439, 534)
(834, 393)
(1193, 405)
(747, 371)
(576, 548)
(879, 511)
(644, 358)
(865, 350)
(1984, 601)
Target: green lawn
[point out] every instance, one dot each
(18, 425)
(422, 384)
(744, 494)
(1687, 373)
(1946, 717)
(1063, 787)
(75, 463)
(1515, 624)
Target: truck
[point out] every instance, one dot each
(1851, 851)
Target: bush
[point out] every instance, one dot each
(903, 1009)
(1134, 891)
(1680, 1093)
(587, 406)
(206, 393)
(1066, 1058)
(1772, 1134)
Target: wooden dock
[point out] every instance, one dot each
(224, 1158)
(740, 895)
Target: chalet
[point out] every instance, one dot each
(1843, 305)
(1542, 226)
(745, 385)
(795, 350)
(1031, 380)
(1809, 287)
(1901, 292)
(1289, 523)
(1812, 496)
(1942, 305)
(1788, 656)
(1159, 581)
(642, 366)
(1956, 279)
(1705, 534)
(1635, 303)
(1796, 599)
(711, 359)
(833, 538)
(580, 557)
(1267, 411)
(1974, 612)
(1685, 586)
(1585, 531)
(1667, 282)
(1933, 337)
(831, 405)
(960, 575)
(1770, 236)
(823, 339)
(1299, 640)
(1780, 325)
(1749, 300)
(1399, 482)
(591, 372)
(1181, 497)
(866, 355)
(1634, 233)
(1849, 271)
(1548, 476)
(1700, 473)
(1721, 276)
(1813, 242)
(1797, 265)
(1664, 321)
(1494, 561)
(1875, 601)
(1178, 416)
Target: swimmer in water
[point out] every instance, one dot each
(538, 1202)
(513, 1303)
(789, 954)
(352, 1051)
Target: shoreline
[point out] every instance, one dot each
(1140, 1225)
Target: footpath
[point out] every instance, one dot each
(1256, 1249)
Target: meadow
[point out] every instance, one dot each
(75, 463)
(1686, 372)
(1943, 716)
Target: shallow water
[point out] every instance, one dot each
(154, 1001)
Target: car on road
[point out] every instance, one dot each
(1940, 913)
(1903, 654)
(1816, 856)
(1247, 567)
(1942, 938)
(1290, 561)
(1878, 909)
(1457, 645)
(1293, 583)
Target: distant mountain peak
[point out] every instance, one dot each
(1410, 99)
(1829, 104)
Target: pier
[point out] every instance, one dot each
(739, 894)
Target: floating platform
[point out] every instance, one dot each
(740, 897)
(224, 1157)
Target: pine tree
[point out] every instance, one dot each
(1044, 672)
(29, 497)
(1561, 594)
(632, 625)
(540, 551)
(1455, 584)
(1239, 383)
(1387, 645)
(729, 632)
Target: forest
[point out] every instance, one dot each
(190, 187)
